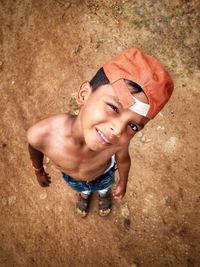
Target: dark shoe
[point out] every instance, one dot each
(105, 204)
(82, 205)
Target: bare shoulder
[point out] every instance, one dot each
(56, 121)
(39, 133)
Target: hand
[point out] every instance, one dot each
(43, 178)
(119, 190)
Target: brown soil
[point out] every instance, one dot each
(47, 48)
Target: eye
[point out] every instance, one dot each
(133, 127)
(113, 108)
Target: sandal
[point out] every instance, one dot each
(105, 204)
(82, 205)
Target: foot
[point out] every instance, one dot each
(105, 204)
(82, 205)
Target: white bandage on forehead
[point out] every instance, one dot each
(139, 107)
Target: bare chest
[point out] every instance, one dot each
(79, 163)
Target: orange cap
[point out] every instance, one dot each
(144, 70)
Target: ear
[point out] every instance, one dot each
(83, 93)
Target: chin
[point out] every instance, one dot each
(93, 147)
(93, 143)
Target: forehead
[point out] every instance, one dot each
(107, 90)
(106, 93)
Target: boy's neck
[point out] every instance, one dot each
(76, 132)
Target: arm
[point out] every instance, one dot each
(37, 136)
(36, 157)
(123, 164)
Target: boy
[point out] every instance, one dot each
(121, 98)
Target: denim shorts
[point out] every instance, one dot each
(100, 183)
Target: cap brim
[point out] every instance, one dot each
(123, 93)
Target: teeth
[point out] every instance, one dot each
(104, 138)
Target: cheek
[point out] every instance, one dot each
(130, 132)
(128, 135)
(95, 114)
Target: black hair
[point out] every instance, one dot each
(100, 78)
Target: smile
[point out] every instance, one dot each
(103, 137)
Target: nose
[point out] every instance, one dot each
(117, 128)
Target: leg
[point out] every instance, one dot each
(105, 201)
(105, 197)
(103, 192)
(82, 204)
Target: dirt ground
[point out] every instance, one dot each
(47, 48)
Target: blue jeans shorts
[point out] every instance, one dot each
(102, 182)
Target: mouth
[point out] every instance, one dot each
(102, 137)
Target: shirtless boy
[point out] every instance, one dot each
(121, 98)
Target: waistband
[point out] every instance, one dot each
(111, 167)
(111, 164)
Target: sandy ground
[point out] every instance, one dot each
(47, 48)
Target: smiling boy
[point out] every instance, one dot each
(121, 98)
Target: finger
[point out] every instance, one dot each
(44, 184)
(116, 193)
(48, 176)
(48, 181)
(118, 196)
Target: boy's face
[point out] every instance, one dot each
(104, 122)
